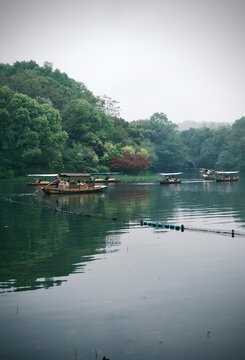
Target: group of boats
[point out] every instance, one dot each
(210, 174)
(207, 174)
(66, 183)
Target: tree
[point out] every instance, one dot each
(226, 161)
(162, 142)
(32, 135)
(80, 120)
(108, 106)
(236, 142)
(129, 163)
(204, 145)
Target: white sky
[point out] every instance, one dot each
(185, 58)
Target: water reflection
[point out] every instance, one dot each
(45, 239)
(40, 247)
(106, 287)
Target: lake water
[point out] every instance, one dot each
(74, 286)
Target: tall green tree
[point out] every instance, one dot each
(204, 145)
(31, 136)
(236, 142)
(162, 142)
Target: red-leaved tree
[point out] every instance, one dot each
(129, 163)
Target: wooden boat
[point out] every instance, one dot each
(227, 176)
(208, 174)
(41, 179)
(73, 183)
(107, 179)
(170, 178)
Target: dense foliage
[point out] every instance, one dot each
(129, 163)
(50, 122)
(30, 134)
(161, 137)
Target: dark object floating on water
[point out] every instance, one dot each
(160, 225)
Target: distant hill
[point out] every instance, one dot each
(185, 125)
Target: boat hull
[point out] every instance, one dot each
(168, 182)
(228, 179)
(41, 183)
(109, 181)
(73, 190)
(208, 177)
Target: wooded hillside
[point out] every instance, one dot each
(50, 122)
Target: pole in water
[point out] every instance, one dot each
(232, 233)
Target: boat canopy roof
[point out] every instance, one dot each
(171, 174)
(106, 173)
(227, 172)
(76, 175)
(42, 175)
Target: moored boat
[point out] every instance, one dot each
(170, 178)
(41, 179)
(73, 183)
(227, 176)
(108, 179)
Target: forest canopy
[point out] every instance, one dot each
(50, 122)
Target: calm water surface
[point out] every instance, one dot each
(74, 286)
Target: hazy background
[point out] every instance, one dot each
(181, 57)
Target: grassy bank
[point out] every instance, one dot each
(147, 178)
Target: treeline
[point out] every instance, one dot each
(50, 122)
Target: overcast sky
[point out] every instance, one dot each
(185, 58)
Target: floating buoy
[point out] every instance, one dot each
(160, 225)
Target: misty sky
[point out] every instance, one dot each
(184, 58)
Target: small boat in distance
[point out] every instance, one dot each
(227, 176)
(41, 179)
(170, 178)
(208, 174)
(73, 183)
(107, 179)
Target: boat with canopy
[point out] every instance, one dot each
(73, 183)
(109, 178)
(227, 176)
(171, 178)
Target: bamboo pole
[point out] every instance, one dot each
(35, 192)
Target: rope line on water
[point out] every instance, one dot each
(143, 223)
(154, 224)
(60, 211)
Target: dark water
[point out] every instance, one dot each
(74, 286)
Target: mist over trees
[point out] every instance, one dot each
(50, 122)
